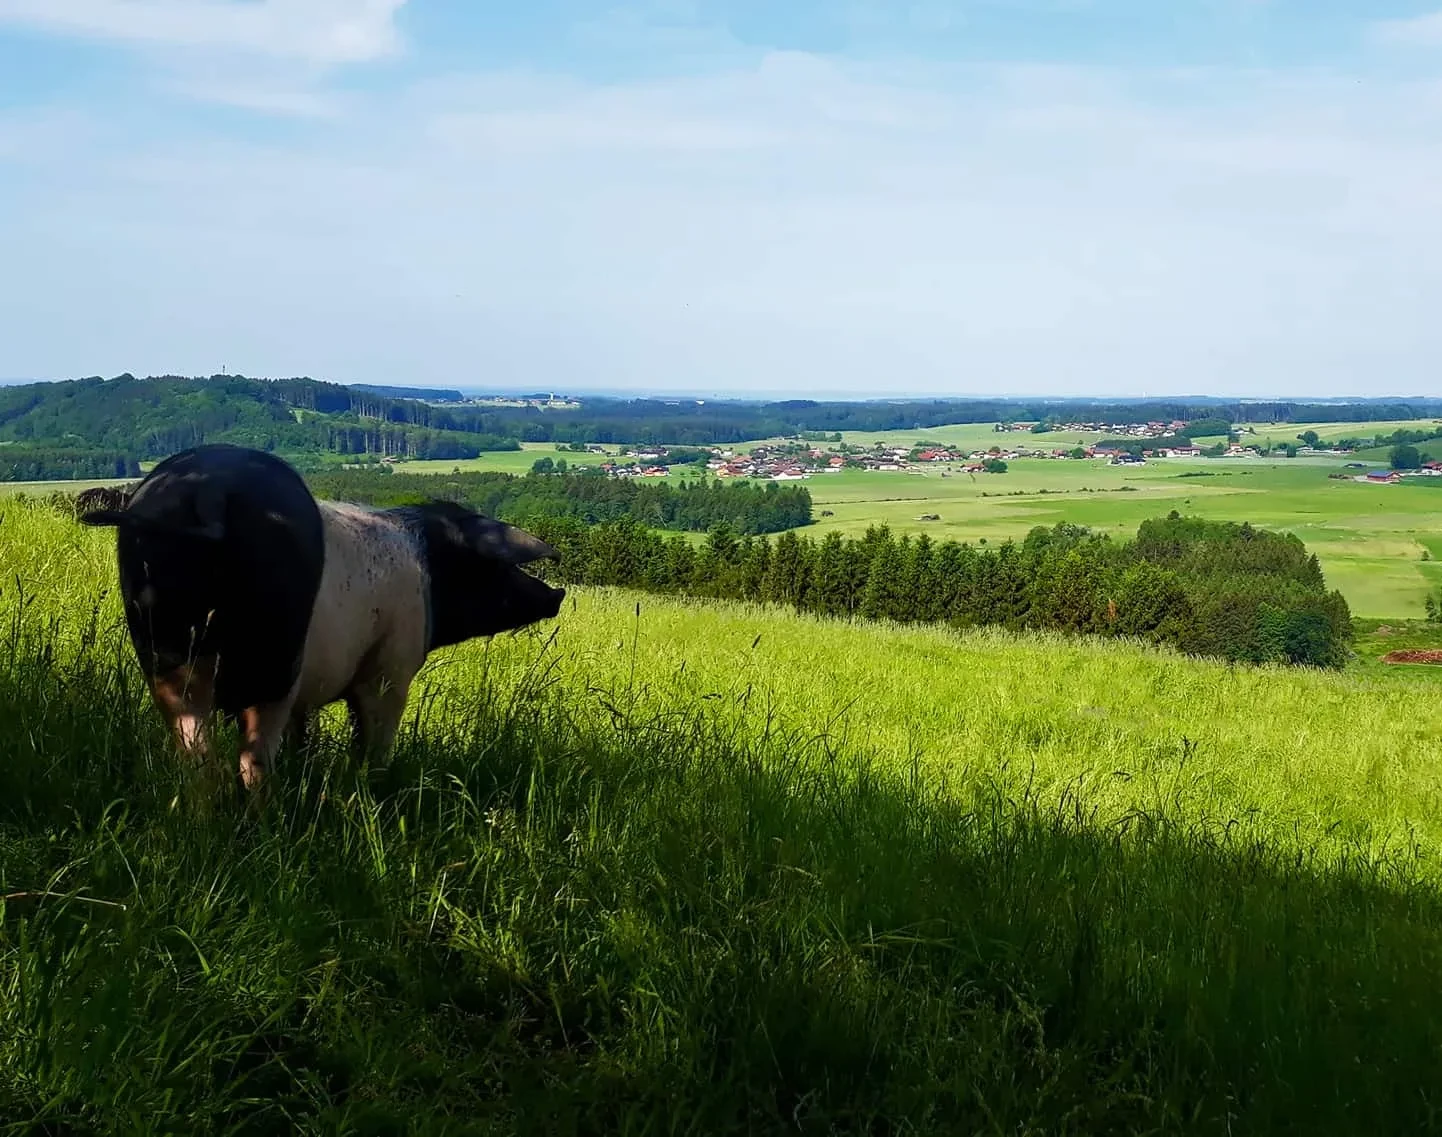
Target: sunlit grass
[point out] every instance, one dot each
(711, 869)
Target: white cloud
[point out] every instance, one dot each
(1416, 31)
(231, 83)
(316, 31)
(797, 225)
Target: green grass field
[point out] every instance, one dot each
(1370, 539)
(504, 461)
(714, 869)
(1330, 431)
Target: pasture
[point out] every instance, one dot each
(503, 461)
(710, 868)
(1370, 539)
(1381, 545)
(1331, 431)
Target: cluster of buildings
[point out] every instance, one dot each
(1118, 429)
(1428, 470)
(1120, 456)
(544, 402)
(634, 470)
(776, 463)
(792, 461)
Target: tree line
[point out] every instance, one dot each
(50, 464)
(689, 422)
(588, 497)
(140, 419)
(1214, 589)
(151, 417)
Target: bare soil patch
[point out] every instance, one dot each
(1415, 655)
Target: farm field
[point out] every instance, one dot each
(503, 461)
(982, 434)
(1370, 539)
(720, 869)
(1331, 431)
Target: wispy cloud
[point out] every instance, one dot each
(316, 31)
(786, 223)
(1417, 31)
(247, 91)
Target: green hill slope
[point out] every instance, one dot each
(715, 868)
(93, 428)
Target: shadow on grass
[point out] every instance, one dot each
(551, 916)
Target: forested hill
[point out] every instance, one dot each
(105, 427)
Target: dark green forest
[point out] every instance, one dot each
(57, 463)
(43, 426)
(589, 498)
(433, 394)
(1207, 588)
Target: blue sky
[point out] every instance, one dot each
(1112, 197)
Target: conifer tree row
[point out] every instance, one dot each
(589, 497)
(1208, 588)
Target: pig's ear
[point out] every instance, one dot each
(212, 530)
(209, 512)
(505, 542)
(104, 517)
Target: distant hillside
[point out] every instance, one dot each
(102, 427)
(426, 394)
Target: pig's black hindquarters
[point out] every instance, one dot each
(220, 551)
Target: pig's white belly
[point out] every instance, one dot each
(369, 619)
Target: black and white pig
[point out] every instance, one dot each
(246, 596)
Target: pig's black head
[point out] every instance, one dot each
(477, 587)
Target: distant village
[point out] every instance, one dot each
(1120, 429)
(795, 460)
(543, 402)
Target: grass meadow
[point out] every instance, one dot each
(1381, 545)
(686, 868)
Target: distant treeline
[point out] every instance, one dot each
(1400, 437)
(434, 394)
(141, 419)
(46, 464)
(688, 422)
(1208, 588)
(302, 417)
(588, 498)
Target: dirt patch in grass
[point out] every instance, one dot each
(1413, 656)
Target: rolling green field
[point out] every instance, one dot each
(675, 867)
(1331, 431)
(1370, 539)
(504, 461)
